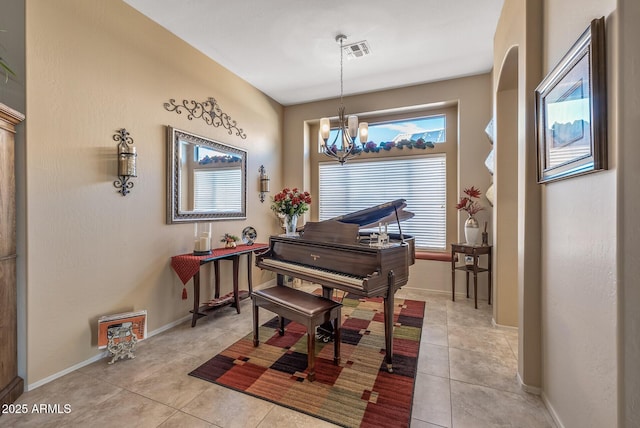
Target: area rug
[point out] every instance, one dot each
(357, 393)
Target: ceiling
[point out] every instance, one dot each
(287, 48)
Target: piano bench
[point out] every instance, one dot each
(304, 308)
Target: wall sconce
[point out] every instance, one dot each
(264, 183)
(126, 161)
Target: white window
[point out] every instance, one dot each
(400, 133)
(421, 181)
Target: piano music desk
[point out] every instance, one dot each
(187, 266)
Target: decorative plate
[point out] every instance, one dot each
(249, 235)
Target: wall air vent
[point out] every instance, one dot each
(357, 50)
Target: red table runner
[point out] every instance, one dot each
(187, 265)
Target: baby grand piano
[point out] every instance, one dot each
(335, 254)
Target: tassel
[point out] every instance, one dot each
(184, 293)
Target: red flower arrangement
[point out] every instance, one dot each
(467, 202)
(291, 202)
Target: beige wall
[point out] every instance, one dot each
(628, 164)
(575, 364)
(473, 98)
(579, 257)
(518, 36)
(94, 67)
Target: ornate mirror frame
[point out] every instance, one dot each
(177, 142)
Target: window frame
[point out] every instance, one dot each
(449, 148)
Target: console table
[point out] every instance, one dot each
(187, 266)
(474, 251)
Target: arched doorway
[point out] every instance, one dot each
(505, 217)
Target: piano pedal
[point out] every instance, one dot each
(323, 335)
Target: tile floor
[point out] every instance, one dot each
(466, 378)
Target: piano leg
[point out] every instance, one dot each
(325, 331)
(280, 325)
(388, 321)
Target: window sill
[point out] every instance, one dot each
(433, 255)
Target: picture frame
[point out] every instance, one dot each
(571, 110)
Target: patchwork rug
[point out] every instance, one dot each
(357, 393)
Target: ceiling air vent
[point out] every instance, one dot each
(357, 50)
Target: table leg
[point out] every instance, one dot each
(249, 276)
(453, 276)
(236, 293)
(467, 274)
(196, 298)
(216, 266)
(475, 280)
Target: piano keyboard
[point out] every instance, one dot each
(341, 278)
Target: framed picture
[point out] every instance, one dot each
(571, 110)
(109, 324)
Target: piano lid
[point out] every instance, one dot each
(383, 213)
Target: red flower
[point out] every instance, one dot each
(462, 204)
(291, 202)
(472, 192)
(467, 203)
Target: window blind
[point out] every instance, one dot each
(421, 181)
(213, 190)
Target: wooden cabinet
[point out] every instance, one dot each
(11, 385)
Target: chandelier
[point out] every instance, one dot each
(348, 128)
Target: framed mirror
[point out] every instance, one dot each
(206, 180)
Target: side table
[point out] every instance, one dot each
(187, 266)
(474, 251)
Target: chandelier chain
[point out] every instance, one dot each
(348, 128)
(341, 62)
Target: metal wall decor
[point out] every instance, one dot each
(209, 111)
(126, 161)
(264, 183)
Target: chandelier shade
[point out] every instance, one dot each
(343, 146)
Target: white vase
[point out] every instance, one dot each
(471, 230)
(290, 224)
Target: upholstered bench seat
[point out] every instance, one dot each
(304, 308)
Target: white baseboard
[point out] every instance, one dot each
(32, 386)
(502, 326)
(105, 353)
(99, 356)
(539, 392)
(528, 388)
(551, 411)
